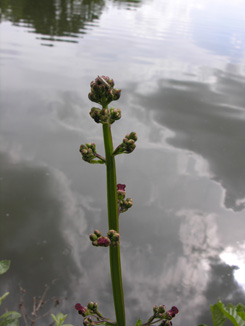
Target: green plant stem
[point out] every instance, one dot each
(115, 261)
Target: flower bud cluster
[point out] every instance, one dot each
(102, 91)
(88, 321)
(160, 313)
(89, 154)
(98, 240)
(84, 311)
(87, 312)
(128, 144)
(123, 204)
(92, 306)
(105, 115)
(112, 238)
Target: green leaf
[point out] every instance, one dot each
(10, 318)
(61, 317)
(4, 266)
(3, 297)
(138, 323)
(231, 313)
(241, 314)
(240, 308)
(217, 315)
(54, 318)
(202, 325)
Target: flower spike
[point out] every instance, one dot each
(89, 154)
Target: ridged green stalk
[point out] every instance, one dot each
(113, 222)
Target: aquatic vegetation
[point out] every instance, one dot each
(220, 313)
(10, 318)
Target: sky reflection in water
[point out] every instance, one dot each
(183, 94)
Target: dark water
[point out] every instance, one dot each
(181, 68)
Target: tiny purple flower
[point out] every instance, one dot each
(103, 241)
(173, 311)
(78, 307)
(121, 187)
(81, 310)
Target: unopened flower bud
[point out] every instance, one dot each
(155, 309)
(115, 237)
(115, 114)
(125, 204)
(90, 305)
(95, 114)
(162, 308)
(110, 233)
(81, 310)
(97, 232)
(168, 315)
(133, 136)
(116, 94)
(93, 237)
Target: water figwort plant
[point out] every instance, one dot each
(103, 93)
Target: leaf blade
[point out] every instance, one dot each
(4, 266)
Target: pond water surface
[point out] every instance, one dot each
(181, 68)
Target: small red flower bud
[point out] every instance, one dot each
(121, 187)
(103, 241)
(81, 310)
(175, 310)
(78, 306)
